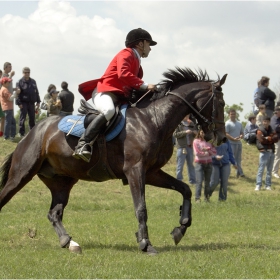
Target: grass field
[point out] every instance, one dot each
(235, 239)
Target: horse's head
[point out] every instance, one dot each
(208, 108)
(203, 97)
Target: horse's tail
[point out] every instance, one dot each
(4, 170)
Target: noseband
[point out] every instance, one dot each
(213, 122)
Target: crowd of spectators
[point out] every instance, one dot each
(27, 98)
(261, 130)
(205, 163)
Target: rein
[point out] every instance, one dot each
(211, 124)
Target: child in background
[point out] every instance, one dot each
(250, 130)
(203, 165)
(54, 105)
(266, 137)
(260, 115)
(7, 104)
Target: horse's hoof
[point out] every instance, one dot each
(148, 248)
(176, 235)
(75, 247)
(151, 251)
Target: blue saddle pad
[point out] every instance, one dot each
(75, 124)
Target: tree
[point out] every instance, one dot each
(237, 108)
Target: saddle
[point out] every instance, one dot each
(76, 124)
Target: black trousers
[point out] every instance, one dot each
(27, 108)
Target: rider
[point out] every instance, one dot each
(123, 74)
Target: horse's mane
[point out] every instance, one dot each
(177, 76)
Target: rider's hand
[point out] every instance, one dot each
(151, 87)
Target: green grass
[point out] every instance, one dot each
(235, 239)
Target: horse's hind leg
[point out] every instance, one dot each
(16, 172)
(60, 187)
(163, 180)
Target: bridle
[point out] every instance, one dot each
(213, 122)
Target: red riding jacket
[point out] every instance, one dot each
(123, 74)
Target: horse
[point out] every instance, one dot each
(135, 156)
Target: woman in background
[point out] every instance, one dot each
(204, 151)
(221, 169)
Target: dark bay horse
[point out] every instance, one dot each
(136, 155)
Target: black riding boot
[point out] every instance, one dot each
(84, 150)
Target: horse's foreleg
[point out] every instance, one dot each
(163, 180)
(136, 180)
(60, 188)
(55, 217)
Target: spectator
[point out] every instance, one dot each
(28, 95)
(66, 98)
(256, 99)
(2, 115)
(7, 73)
(47, 97)
(275, 124)
(221, 169)
(7, 103)
(266, 137)
(267, 96)
(261, 114)
(184, 135)
(250, 130)
(203, 165)
(54, 105)
(234, 132)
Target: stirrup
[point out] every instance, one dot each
(83, 153)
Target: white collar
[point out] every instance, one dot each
(138, 55)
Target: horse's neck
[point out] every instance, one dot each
(168, 112)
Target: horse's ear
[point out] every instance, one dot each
(221, 82)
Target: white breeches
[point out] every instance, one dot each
(104, 103)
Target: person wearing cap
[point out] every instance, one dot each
(7, 104)
(7, 73)
(275, 124)
(47, 97)
(28, 96)
(54, 105)
(123, 74)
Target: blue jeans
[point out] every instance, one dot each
(237, 153)
(202, 171)
(220, 174)
(181, 158)
(266, 159)
(10, 124)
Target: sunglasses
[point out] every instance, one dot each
(26, 72)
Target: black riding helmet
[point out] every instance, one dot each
(138, 34)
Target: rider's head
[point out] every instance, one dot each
(141, 40)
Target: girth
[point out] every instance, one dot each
(101, 171)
